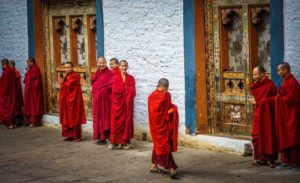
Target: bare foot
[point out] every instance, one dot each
(11, 127)
(77, 140)
(31, 125)
(172, 172)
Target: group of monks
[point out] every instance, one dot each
(276, 119)
(113, 92)
(13, 105)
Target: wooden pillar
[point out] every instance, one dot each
(200, 62)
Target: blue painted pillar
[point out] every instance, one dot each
(100, 31)
(277, 38)
(189, 65)
(30, 22)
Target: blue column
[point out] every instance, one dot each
(100, 31)
(189, 65)
(277, 38)
(30, 22)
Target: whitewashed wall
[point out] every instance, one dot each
(291, 15)
(149, 35)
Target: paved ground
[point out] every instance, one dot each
(40, 155)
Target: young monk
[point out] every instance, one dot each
(8, 95)
(19, 94)
(71, 108)
(123, 93)
(113, 63)
(263, 128)
(101, 92)
(163, 123)
(33, 94)
(287, 116)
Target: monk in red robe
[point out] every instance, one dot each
(7, 95)
(19, 94)
(123, 93)
(71, 108)
(101, 92)
(33, 94)
(287, 116)
(113, 63)
(263, 127)
(163, 123)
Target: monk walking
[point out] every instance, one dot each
(19, 94)
(71, 108)
(287, 116)
(101, 91)
(33, 94)
(8, 95)
(263, 128)
(163, 123)
(123, 93)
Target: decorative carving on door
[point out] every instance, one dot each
(68, 38)
(233, 52)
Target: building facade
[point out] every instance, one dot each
(206, 48)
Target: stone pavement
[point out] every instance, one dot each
(40, 155)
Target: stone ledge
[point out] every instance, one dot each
(213, 143)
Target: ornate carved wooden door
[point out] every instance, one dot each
(71, 33)
(241, 34)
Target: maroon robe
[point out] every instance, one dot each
(123, 93)
(101, 92)
(264, 138)
(287, 116)
(8, 90)
(71, 108)
(33, 95)
(19, 94)
(163, 128)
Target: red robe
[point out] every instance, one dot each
(263, 128)
(71, 108)
(163, 126)
(33, 95)
(19, 93)
(123, 94)
(8, 89)
(101, 92)
(287, 116)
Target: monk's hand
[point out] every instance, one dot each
(170, 111)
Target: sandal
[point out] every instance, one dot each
(158, 170)
(272, 165)
(260, 163)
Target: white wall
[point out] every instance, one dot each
(149, 35)
(292, 34)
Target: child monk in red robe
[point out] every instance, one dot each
(264, 138)
(163, 123)
(123, 93)
(8, 95)
(287, 116)
(33, 94)
(19, 94)
(101, 92)
(71, 108)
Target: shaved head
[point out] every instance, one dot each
(163, 82)
(285, 66)
(260, 68)
(284, 69)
